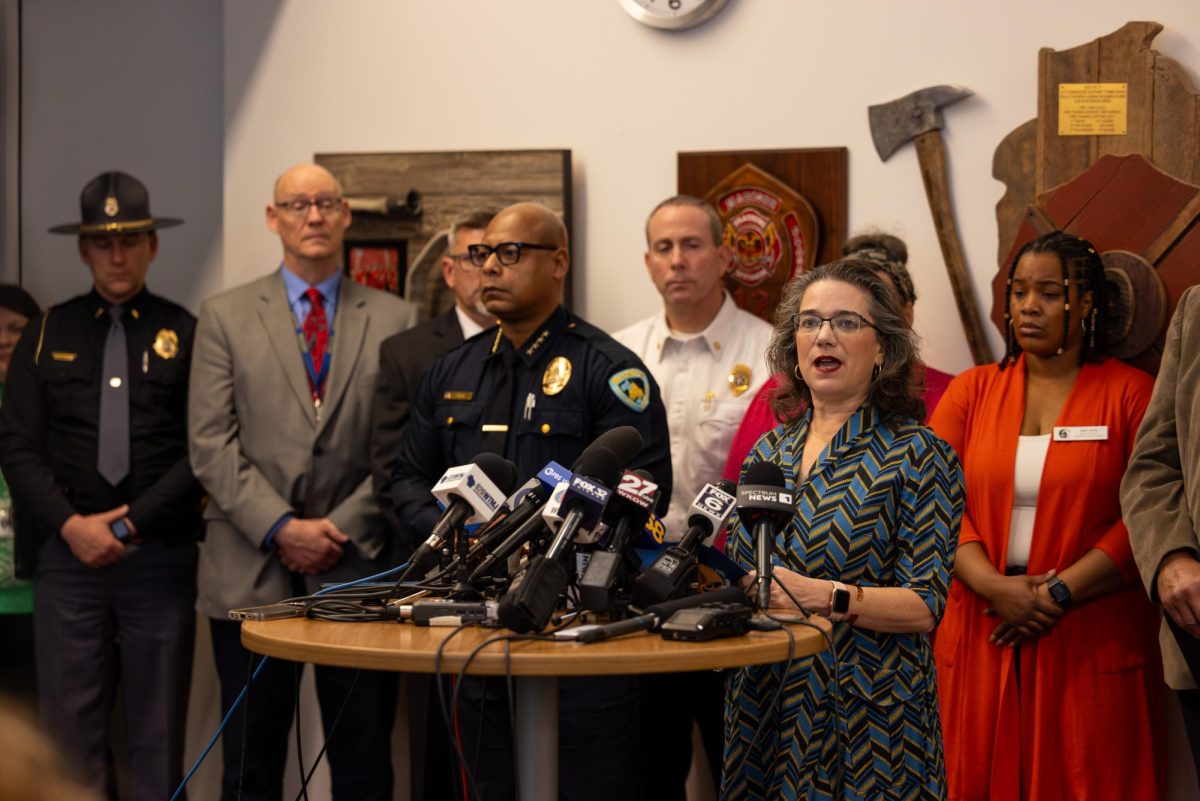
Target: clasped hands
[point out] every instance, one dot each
(1025, 604)
(309, 545)
(91, 539)
(814, 594)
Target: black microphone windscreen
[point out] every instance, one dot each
(625, 441)
(502, 472)
(599, 463)
(766, 474)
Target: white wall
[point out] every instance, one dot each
(375, 75)
(132, 85)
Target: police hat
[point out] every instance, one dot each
(114, 203)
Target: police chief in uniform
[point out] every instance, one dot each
(93, 443)
(539, 387)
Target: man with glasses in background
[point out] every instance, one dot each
(279, 423)
(541, 388)
(404, 358)
(709, 358)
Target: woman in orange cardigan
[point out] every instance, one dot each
(1047, 666)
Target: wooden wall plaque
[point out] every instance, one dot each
(819, 175)
(450, 184)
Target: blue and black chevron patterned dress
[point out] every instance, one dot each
(881, 508)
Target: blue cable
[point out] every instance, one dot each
(238, 701)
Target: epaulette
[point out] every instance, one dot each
(601, 340)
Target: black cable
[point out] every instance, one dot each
(245, 724)
(446, 716)
(296, 668)
(510, 686)
(306, 777)
(837, 682)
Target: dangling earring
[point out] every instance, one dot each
(875, 371)
(796, 372)
(1092, 330)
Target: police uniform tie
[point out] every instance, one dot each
(112, 460)
(499, 409)
(316, 342)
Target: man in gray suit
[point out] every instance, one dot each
(279, 423)
(1160, 501)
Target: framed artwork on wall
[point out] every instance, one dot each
(380, 264)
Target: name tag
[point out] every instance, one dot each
(1080, 433)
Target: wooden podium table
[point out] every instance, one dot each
(535, 666)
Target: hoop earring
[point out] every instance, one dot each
(796, 372)
(875, 371)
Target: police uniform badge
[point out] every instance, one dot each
(166, 343)
(632, 388)
(557, 374)
(739, 379)
(111, 207)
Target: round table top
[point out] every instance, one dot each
(410, 648)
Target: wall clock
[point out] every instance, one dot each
(673, 15)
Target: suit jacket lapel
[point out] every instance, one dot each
(447, 327)
(349, 329)
(280, 326)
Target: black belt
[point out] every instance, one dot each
(1016, 570)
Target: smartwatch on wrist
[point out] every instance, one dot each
(1059, 591)
(121, 531)
(839, 601)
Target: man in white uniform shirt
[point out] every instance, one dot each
(708, 358)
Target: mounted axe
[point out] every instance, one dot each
(918, 116)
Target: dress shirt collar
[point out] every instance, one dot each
(297, 286)
(468, 326)
(716, 336)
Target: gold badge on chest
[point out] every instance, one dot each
(557, 375)
(166, 343)
(739, 379)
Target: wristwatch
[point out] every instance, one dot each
(839, 601)
(1059, 591)
(121, 531)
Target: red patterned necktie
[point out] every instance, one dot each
(316, 337)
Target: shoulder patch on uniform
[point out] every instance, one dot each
(632, 387)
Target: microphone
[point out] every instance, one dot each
(516, 532)
(669, 575)
(765, 505)
(470, 493)
(625, 441)
(585, 498)
(626, 515)
(655, 615)
(531, 598)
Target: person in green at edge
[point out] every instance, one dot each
(17, 673)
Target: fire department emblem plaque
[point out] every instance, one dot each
(771, 230)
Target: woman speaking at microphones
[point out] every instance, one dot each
(870, 545)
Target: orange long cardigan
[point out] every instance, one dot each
(1085, 722)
